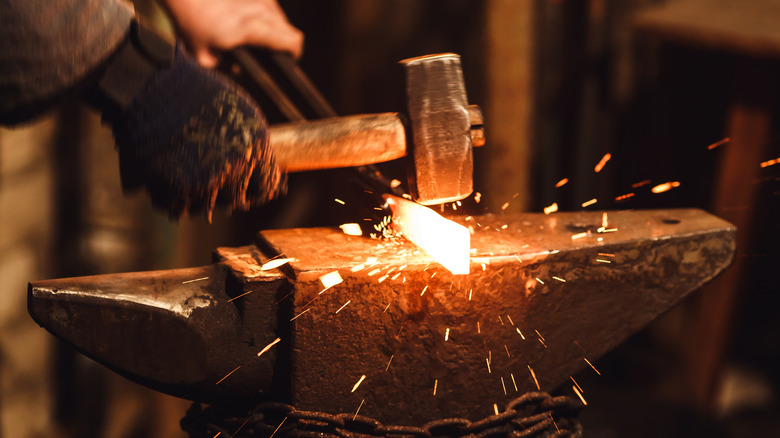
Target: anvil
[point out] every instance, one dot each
(399, 337)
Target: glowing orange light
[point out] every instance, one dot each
(601, 163)
(718, 143)
(624, 197)
(551, 209)
(561, 183)
(445, 241)
(770, 162)
(660, 188)
(640, 184)
(589, 203)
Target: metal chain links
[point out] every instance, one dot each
(533, 414)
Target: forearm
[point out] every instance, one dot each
(48, 46)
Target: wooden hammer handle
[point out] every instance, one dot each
(338, 142)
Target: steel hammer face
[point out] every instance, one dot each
(441, 129)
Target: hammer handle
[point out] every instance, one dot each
(338, 142)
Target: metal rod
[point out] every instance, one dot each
(266, 82)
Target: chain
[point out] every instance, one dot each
(534, 414)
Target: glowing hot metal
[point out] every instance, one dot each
(445, 241)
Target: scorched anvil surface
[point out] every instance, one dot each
(546, 295)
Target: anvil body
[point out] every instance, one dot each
(544, 294)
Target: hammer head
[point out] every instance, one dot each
(441, 149)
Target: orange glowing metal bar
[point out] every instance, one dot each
(445, 241)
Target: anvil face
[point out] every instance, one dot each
(545, 293)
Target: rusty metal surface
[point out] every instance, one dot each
(394, 334)
(535, 297)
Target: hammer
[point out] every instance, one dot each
(438, 134)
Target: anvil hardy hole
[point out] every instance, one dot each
(671, 221)
(581, 228)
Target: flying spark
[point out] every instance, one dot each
(624, 197)
(228, 374)
(540, 281)
(589, 203)
(435, 385)
(505, 206)
(388, 362)
(665, 187)
(561, 183)
(245, 293)
(559, 279)
(358, 409)
(601, 163)
(495, 408)
(591, 365)
(576, 384)
(577, 391)
(604, 261)
(447, 334)
(503, 385)
(477, 197)
(507, 351)
(470, 290)
(533, 375)
(770, 162)
(478, 331)
(521, 333)
(360, 380)
(640, 184)
(339, 201)
(395, 183)
(345, 305)
(277, 428)
(424, 289)
(486, 361)
(382, 278)
(296, 316)
(513, 381)
(510, 320)
(579, 235)
(268, 347)
(551, 209)
(197, 279)
(718, 143)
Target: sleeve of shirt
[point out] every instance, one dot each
(47, 46)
